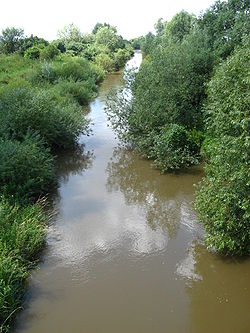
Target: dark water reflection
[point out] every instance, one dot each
(73, 162)
(162, 198)
(124, 253)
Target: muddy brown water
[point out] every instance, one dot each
(125, 255)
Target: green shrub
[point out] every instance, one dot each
(26, 168)
(174, 149)
(81, 91)
(49, 52)
(58, 120)
(223, 198)
(34, 51)
(45, 72)
(68, 68)
(105, 62)
(120, 58)
(77, 68)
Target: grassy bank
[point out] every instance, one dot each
(22, 236)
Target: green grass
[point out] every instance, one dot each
(22, 235)
(15, 68)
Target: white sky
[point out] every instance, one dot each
(132, 18)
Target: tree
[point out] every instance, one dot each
(101, 25)
(108, 37)
(30, 41)
(148, 43)
(10, 40)
(169, 89)
(159, 26)
(72, 39)
(180, 25)
(225, 24)
(70, 33)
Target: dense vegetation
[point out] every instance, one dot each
(43, 88)
(190, 100)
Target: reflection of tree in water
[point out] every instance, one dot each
(219, 291)
(163, 198)
(73, 162)
(69, 162)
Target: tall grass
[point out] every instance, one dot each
(22, 235)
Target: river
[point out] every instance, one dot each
(124, 254)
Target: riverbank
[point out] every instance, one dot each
(43, 95)
(37, 118)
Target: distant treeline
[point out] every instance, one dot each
(190, 102)
(43, 88)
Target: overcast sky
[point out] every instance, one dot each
(131, 17)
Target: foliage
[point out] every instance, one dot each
(70, 33)
(26, 168)
(225, 24)
(10, 40)
(174, 77)
(120, 57)
(174, 149)
(14, 68)
(168, 90)
(34, 51)
(137, 42)
(58, 121)
(31, 41)
(222, 201)
(105, 62)
(81, 91)
(102, 25)
(77, 69)
(108, 37)
(49, 52)
(180, 26)
(147, 43)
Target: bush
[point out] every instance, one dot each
(105, 62)
(174, 149)
(26, 169)
(81, 91)
(33, 52)
(120, 58)
(58, 120)
(222, 201)
(68, 68)
(49, 52)
(78, 69)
